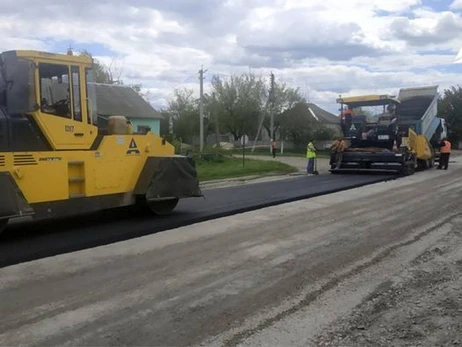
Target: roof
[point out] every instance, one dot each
(311, 110)
(76, 59)
(368, 100)
(114, 99)
(325, 116)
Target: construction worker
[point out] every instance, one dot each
(346, 115)
(311, 156)
(349, 112)
(339, 152)
(273, 148)
(333, 151)
(445, 152)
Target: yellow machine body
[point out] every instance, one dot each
(58, 162)
(419, 145)
(114, 168)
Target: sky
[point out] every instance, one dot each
(326, 48)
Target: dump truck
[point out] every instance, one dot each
(404, 137)
(57, 161)
(418, 110)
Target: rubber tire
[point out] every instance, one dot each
(162, 207)
(409, 170)
(422, 165)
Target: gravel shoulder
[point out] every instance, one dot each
(418, 306)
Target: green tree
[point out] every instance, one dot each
(359, 111)
(212, 112)
(450, 108)
(101, 73)
(238, 103)
(183, 112)
(323, 133)
(284, 98)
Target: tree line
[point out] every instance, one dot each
(238, 105)
(450, 108)
(241, 105)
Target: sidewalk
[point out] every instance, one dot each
(244, 180)
(299, 163)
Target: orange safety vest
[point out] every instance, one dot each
(446, 148)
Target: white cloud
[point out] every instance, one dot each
(325, 47)
(429, 27)
(456, 5)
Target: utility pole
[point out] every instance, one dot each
(201, 107)
(215, 117)
(271, 106)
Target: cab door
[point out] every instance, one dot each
(61, 112)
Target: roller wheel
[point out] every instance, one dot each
(3, 224)
(162, 207)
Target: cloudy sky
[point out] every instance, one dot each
(324, 47)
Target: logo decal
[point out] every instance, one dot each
(132, 148)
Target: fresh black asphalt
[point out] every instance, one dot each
(26, 242)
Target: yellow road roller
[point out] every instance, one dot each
(55, 161)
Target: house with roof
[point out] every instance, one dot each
(324, 117)
(302, 112)
(309, 111)
(121, 100)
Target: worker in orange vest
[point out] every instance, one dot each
(346, 119)
(445, 152)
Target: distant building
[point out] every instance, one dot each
(301, 111)
(120, 100)
(318, 114)
(325, 118)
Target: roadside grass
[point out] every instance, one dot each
(287, 153)
(221, 167)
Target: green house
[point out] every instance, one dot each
(120, 100)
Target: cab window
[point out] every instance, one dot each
(54, 89)
(91, 97)
(76, 93)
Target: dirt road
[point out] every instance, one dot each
(380, 265)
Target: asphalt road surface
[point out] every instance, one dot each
(378, 265)
(25, 242)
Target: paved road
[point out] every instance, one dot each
(275, 276)
(45, 239)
